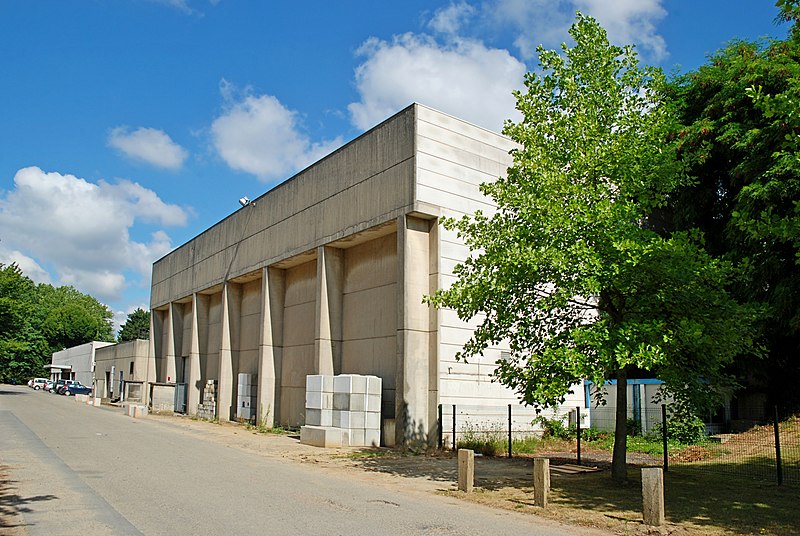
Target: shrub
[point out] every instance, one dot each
(684, 428)
(554, 428)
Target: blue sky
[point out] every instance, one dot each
(130, 126)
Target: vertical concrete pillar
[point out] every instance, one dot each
(466, 470)
(413, 336)
(194, 379)
(152, 356)
(653, 496)
(270, 348)
(157, 344)
(169, 354)
(328, 337)
(541, 481)
(225, 384)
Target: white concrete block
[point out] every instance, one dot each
(350, 383)
(373, 421)
(358, 402)
(372, 438)
(323, 436)
(374, 385)
(356, 438)
(319, 417)
(353, 420)
(336, 418)
(373, 403)
(341, 401)
(320, 383)
(319, 400)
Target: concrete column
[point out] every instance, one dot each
(225, 382)
(156, 346)
(541, 481)
(466, 470)
(152, 355)
(169, 354)
(653, 496)
(413, 424)
(193, 381)
(270, 348)
(330, 284)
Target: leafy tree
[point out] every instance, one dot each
(69, 318)
(137, 326)
(568, 270)
(740, 141)
(22, 348)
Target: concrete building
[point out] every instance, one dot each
(76, 363)
(326, 273)
(124, 368)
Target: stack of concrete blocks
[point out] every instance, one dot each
(207, 409)
(342, 411)
(246, 397)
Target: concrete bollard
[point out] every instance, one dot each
(541, 481)
(653, 496)
(466, 470)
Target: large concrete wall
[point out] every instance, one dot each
(365, 183)
(369, 313)
(326, 274)
(298, 340)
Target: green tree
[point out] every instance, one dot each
(67, 317)
(22, 347)
(568, 270)
(740, 141)
(137, 326)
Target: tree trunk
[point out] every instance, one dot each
(619, 466)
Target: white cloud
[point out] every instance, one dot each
(547, 21)
(259, 135)
(82, 229)
(148, 145)
(29, 266)
(450, 19)
(462, 77)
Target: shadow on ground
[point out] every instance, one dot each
(13, 505)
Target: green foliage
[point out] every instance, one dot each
(137, 326)
(685, 428)
(633, 427)
(569, 269)
(554, 428)
(36, 320)
(740, 141)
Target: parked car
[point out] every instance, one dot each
(76, 388)
(60, 385)
(49, 385)
(37, 383)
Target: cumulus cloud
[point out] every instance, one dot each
(450, 19)
(29, 266)
(149, 145)
(259, 135)
(82, 229)
(462, 77)
(547, 21)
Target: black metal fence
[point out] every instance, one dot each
(657, 435)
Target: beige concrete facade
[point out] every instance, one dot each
(129, 362)
(326, 274)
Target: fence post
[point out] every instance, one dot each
(466, 470)
(653, 496)
(664, 435)
(454, 427)
(578, 430)
(509, 430)
(439, 427)
(778, 461)
(541, 481)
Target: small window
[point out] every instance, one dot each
(131, 373)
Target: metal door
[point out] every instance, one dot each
(180, 397)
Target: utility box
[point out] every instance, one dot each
(246, 399)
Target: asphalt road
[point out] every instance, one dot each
(76, 469)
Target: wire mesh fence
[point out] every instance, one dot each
(767, 451)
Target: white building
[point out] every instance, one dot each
(76, 363)
(326, 273)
